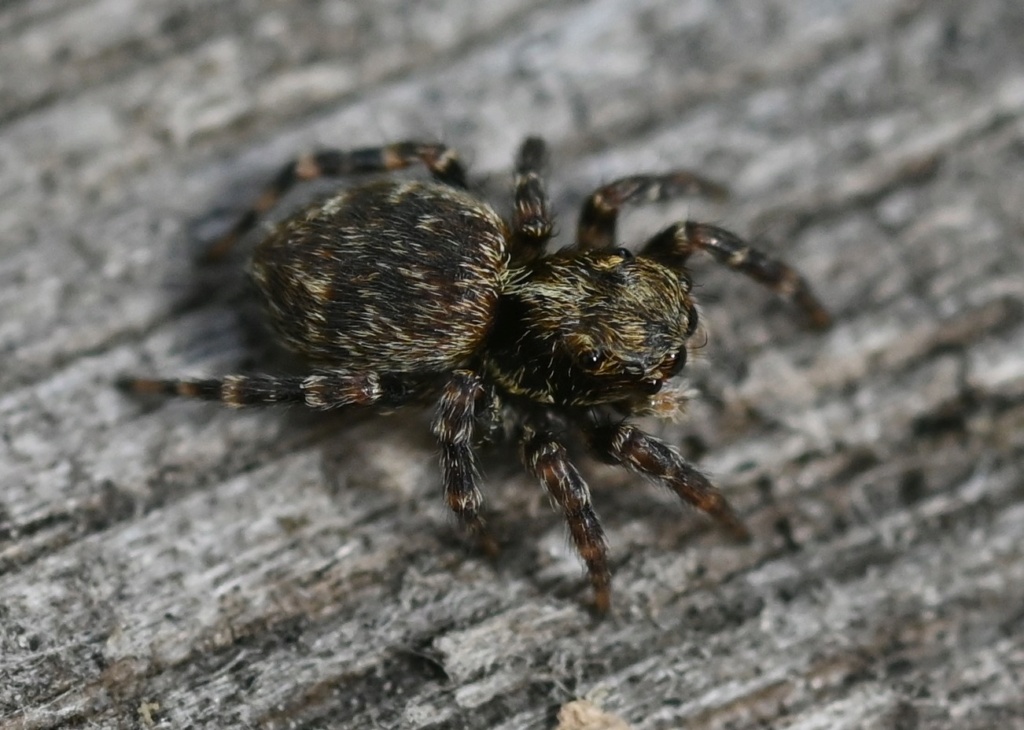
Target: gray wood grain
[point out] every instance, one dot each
(178, 565)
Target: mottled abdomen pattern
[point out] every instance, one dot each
(389, 277)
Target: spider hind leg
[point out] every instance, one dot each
(321, 390)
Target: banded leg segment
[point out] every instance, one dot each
(322, 390)
(442, 161)
(547, 459)
(639, 452)
(600, 212)
(532, 223)
(453, 426)
(674, 245)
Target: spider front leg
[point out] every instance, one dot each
(532, 224)
(628, 446)
(674, 245)
(453, 426)
(322, 390)
(547, 459)
(443, 163)
(600, 213)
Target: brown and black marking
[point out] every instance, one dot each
(600, 213)
(401, 292)
(532, 222)
(442, 161)
(404, 274)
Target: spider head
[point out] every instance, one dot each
(582, 328)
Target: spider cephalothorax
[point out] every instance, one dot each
(407, 292)
(587, 328)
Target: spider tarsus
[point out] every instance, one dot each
(816, 316)
(218, 250)
(143, 386)
(486, 544)
(737, 529)
(602, 601)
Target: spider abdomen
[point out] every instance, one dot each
(390, 276)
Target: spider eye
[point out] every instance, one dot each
(691, 326)
(678, 363)
(592, 359)
(651, 386)
(623, 253)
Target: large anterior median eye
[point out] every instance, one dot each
(651, 386)
(691, 325)
(678, 362)
(592, 360)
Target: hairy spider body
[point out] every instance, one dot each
(410, 292)
(397, 277)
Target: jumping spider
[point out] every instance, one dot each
(415, 292)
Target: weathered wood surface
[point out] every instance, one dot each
(179, 565)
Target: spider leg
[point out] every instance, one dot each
(546, 458)
(532, 221)
(640, 452)
(600, 212)
(453, 426)
(322, 390)
(443, 163)
(674, 245)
